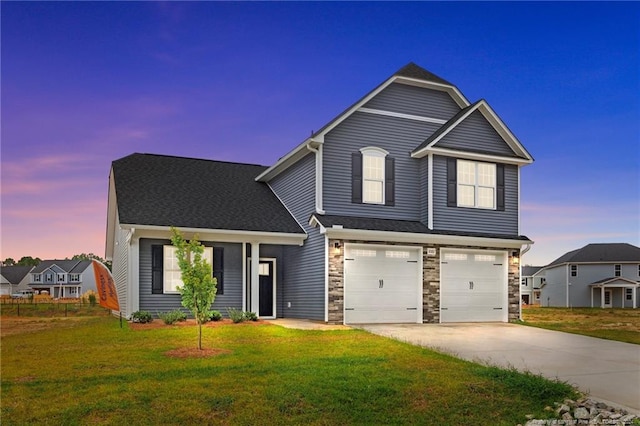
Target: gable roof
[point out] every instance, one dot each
(529, 271)
(410, 74)
(520, 154)
(615, 282)
(14, 274)
(600, 253)
(57, 265)
(183, 192)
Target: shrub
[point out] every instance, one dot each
(173, 316)
(236, 315)
(92, 299)
(216, 316)
(141, 316)
(250, 316)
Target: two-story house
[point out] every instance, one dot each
(605, 275)
(62, 278)
(403, 208)
(532, 279)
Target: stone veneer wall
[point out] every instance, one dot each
(430, 280)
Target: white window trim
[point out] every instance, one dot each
(170, 285)
(476, 185)
(372, 151)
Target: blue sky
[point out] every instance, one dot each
(85, 83)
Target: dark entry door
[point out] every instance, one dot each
(266, 288)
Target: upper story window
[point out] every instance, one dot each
(61, 278)
(37, 278)
(574, 270)
(373, 177)
(617, 270)
(74, 278)
(48, 277)
(475, 184)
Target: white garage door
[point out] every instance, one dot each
(382, 284)
(473, 286)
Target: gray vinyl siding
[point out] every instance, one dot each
(477, 135)
(303, 268)
(472, 219)
(232, 296)
(555, 292)
(414, 100)
(399, 137)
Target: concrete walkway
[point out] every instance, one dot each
(607, 370)
(304, 324)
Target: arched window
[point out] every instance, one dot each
(373, 176)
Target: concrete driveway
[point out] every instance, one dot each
(607, 370)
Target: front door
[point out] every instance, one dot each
(607, 299)
(266, 291)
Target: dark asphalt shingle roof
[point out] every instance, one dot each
(600, 252)
(69, 266)
(528, 271)
(392, 225)
(412, 70)
(15, 274)
(194, 193)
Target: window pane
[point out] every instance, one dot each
(486, 174)
(373, 167)
(466, 172)
(466, 195)
(372, 192)
(485, 197)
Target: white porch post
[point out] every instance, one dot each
(591, 296)
(255, 277)
(624, 292)
(602, 297)
(244, 276)
(633, 297)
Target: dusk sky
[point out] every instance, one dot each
(86, 83)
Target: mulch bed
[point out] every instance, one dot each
(158, 323)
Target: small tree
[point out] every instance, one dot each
(199, 287)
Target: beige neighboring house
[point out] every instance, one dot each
(14, 279)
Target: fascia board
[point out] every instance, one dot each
(475, 156)
(407, 237)
(221, 235)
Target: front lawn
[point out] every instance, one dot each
(96, 373)
(613, 324)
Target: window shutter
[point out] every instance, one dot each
(218, 268)
(390, 181)
(500, 187)
(157, 264)
(452, 184)
(356, 177)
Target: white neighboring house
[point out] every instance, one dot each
(533, 277)
(14, 279)
(62, 278)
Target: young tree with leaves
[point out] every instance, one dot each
(199, 287)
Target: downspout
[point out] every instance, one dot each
(318, 153)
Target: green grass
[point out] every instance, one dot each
(97, 373)
(613, 324)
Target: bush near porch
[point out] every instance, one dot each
(614, 324)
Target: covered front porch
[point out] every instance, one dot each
(610, 289)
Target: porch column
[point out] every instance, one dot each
(255, 277)
(602, 297)
(624, 291)
(591, 291)
(633, 297)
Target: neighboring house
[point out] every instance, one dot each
(404, 208)
(62, 278)
(531, 282)
(14, 279)
(596, 275)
